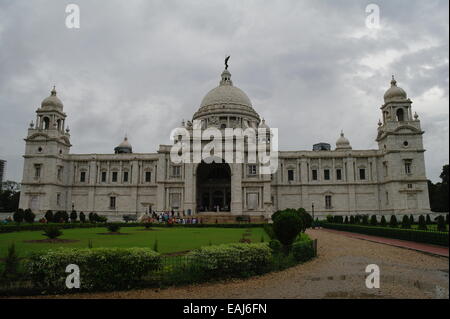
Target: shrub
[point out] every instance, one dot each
(269, 230)
(49, 216)
(429, 237)
(411, 219)
(338, 219)
(100, 268)
(383, 222)
(286, 226)
(91, 217)
(302, 250)
(422, 223)
(52, 232)
(113, 228)
(365, 220)
(393, 222)
(428, 220)
(101, 219)
(441, 223)
(352, 220)
(29, 216)
(307, 219)
(357, 219)
(373, 220)
(275, 245)
(82, 217)
(19, 216)
(232, 260)
(406, 222)
(329, 218)
(346, 220)
(73, 216)
(11, 264)
(61, 217)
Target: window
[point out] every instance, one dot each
(252, 201)
(103, 177)
(82, 177)
(290, 175)
(385, 166)
(326, 174)
(410, 186)
(407, 167)
(37, 170)
(328, 202)
(148, 177)
(387, 198)
(59, 174)
(400, 115)
(314, 175)
(58, 199)
(362, 173)
(176, 171)
(112, 202)
(125, 177)
(114, 177)
(251, 169)
(339, 174)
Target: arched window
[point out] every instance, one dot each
(46, 123)
(400, 115)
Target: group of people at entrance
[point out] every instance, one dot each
(171, 217)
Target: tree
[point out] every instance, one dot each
(82, 217)
(406, 222)
(307, 219)
(383, 222)
(441, 224)
(49, 216)
(393, 222)
(287, 225)
(428, 220)
(73, 216)
(373, 220)
(29, 216)
(438, 193)
(19, 215)
(346, 220)
(352, 220)
(422, 223)
(365, 220)
(9, 196)
(411, 219)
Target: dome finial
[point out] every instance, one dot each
(53, 91)
(393, 81)
(226, 62)
(342, 133)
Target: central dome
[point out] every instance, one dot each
(226, 99)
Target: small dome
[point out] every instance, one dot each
(124, 147)
(52, 102)
(394, 93)
(343, 143)
(263, 124)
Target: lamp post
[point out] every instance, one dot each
(314, 221)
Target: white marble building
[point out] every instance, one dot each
(341, 181)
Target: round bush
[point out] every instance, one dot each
(302, 251)
(286, 226)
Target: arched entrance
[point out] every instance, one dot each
(213, 187)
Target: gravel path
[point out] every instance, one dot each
(337, 272)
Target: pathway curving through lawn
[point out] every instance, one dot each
(337, 272)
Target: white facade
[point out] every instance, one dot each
(343, 181)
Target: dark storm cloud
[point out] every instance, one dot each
(311, 68)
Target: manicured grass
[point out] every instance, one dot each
(170, 240)
(429, 227)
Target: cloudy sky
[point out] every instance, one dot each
(311, 68)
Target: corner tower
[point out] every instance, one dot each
(46, 170)
(404, 187)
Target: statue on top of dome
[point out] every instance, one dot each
(226, 62)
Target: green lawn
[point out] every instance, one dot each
(429, 227)
(169, 239)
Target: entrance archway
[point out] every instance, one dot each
(213, 187)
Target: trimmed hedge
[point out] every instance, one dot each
(231, 260)
(429, 237)
(100, 268)
(38, 226)
(303, 250)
